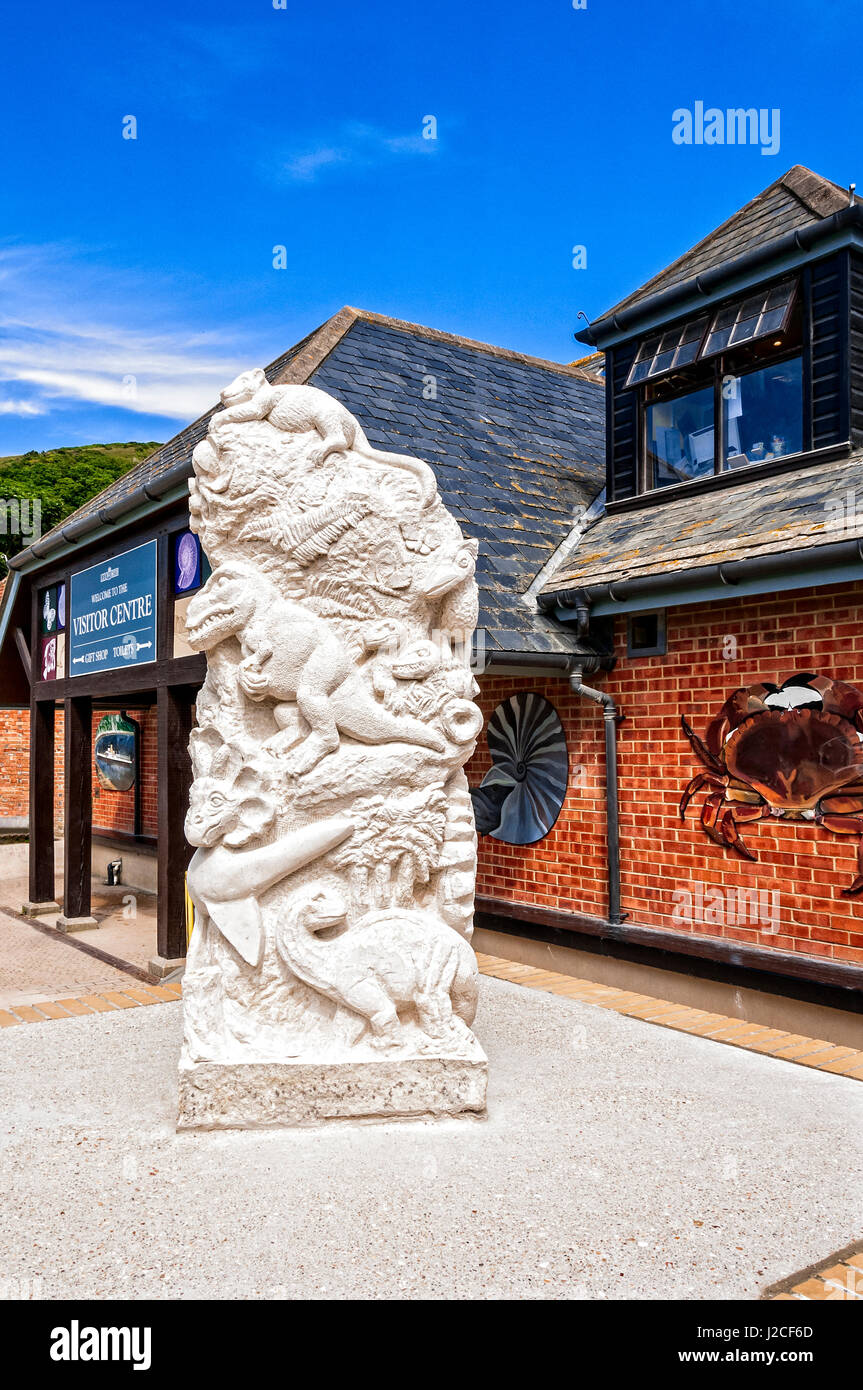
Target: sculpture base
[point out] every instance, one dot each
(260, 1095)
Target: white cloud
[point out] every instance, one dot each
(11, 407)
(85, 355)
(357, 146)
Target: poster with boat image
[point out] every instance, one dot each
(115, 752)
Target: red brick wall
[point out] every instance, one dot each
(14, 762)
(111, 810)
(803, 864)
(116, 810)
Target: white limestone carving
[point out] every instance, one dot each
(330, 971)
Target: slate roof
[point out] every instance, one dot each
(763, 516)
(797, 199)
(517, 443)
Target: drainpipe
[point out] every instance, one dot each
(611, 717)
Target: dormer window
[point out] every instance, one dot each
(722, 389)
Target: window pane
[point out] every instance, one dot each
(687, 353)
(764, 414)
(751, 307)
(680, 438)
(694, 330)
(749, 318)
(647, 349)
(726, 317)
(717, 341)
(771, 321)
(780, 295)
(638, 372)
(743, 330)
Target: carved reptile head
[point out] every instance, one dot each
(223, 607)
(445, 574)
(230, 803)
(323, 910)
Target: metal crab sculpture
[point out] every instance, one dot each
(793, 751)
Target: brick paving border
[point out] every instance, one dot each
(839, 1278)
(110, 1001)
(75, 943)
(817, 1053)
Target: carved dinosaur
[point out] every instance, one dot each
(299, 408)
(386, 960)
(291, 655)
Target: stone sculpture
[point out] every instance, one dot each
(330, 972)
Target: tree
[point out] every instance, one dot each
(39, 490)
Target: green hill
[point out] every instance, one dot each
(62, 480)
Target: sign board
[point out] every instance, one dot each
(112, 613)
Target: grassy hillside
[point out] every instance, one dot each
(62, 480)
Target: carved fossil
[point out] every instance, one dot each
(308, 536)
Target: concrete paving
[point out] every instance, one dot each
(618, 1160)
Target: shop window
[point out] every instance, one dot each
(52, 637)
(191, 568)
(645, 634)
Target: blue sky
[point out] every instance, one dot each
(136, 276)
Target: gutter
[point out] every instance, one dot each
(726, 573)
(611, 718)
(709, 282)
(154, 491)
(556, 663)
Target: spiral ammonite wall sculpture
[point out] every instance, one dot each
(521, 798)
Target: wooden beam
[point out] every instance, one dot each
(78, 807)
(131, 680)
(174, 721)
(24, 653)
(493, 913)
